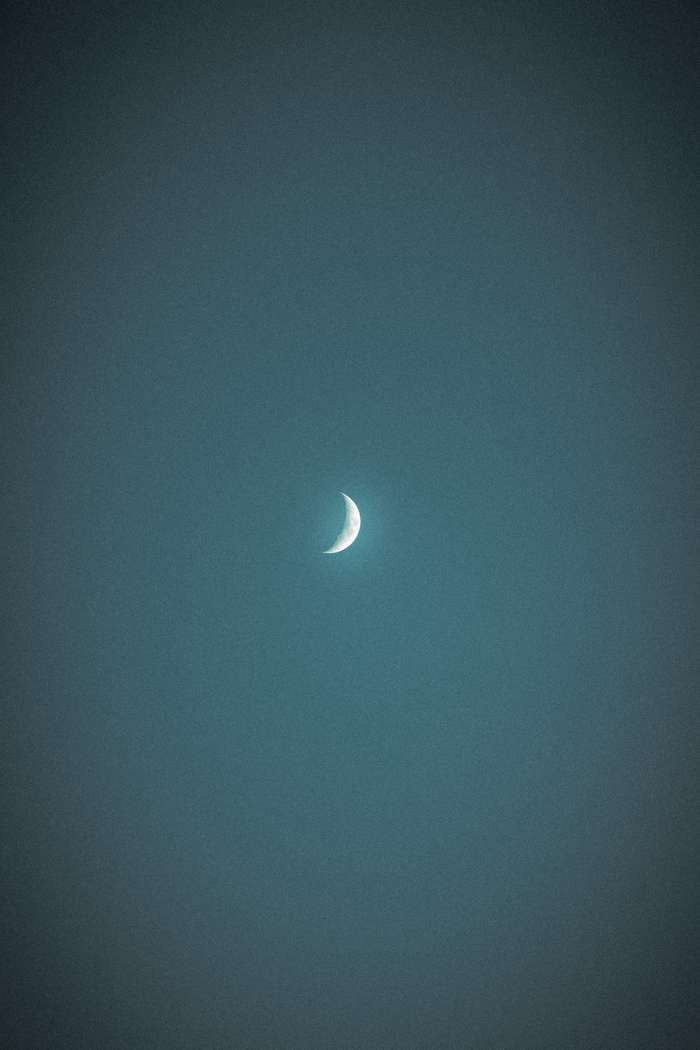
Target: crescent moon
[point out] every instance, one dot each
(350, 529)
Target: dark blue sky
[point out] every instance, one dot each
(441, 790)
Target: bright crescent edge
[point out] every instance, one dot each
(351, 527)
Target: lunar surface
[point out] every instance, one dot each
(350, 529)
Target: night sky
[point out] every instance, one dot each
(439, 791)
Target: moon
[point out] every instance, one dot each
(350, 529)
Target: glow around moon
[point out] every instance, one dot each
(350, 529)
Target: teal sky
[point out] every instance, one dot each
(440, 791)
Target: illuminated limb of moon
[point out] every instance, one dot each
(350, 529)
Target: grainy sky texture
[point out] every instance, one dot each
(440, 791)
